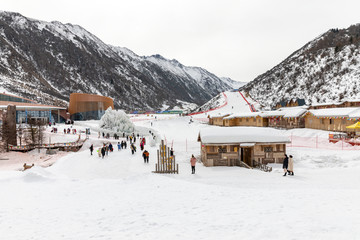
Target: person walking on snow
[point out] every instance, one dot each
(290, 168)
(285, 164)
(193, 163)
(146, 156)
(91, 149)
(133, 148)
(119, 146)
(103, 152)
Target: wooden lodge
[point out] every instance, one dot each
(286, 118)
(332, 119)
(343, 104)
(217, 120)
(252, 119)
(241, 146)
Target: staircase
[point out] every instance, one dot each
(262, 167)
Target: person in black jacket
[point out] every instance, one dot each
(103, 152)
(91, 148)
(285, 164)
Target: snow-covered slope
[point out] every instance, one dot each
(326, 69)
(48, 61)
(227, 103)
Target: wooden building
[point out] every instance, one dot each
(217, 120)
(251, 119)
(287, 118)
(237, 146)
(332, 119)
(343, 104)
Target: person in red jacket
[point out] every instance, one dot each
(193, 163)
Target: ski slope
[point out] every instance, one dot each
(229, 103)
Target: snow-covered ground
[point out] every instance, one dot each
(229, 102)
(86, 197)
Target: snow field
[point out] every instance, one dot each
(86, 197)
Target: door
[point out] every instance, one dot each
(246, 156)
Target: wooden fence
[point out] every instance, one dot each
(165, 163)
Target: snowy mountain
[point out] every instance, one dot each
(232, 83)
(48, 61)
(326, 69)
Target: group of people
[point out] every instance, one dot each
(288, 165)
(108, 147)
(122, 145)
(68, 131)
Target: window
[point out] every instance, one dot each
(331, 121)
(222, 150)
(322, 121)
(268, 149)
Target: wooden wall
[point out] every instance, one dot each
(214, 155)
(328, 124)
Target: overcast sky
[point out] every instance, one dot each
(230, 38)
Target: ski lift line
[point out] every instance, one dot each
(252, 109)
(212, 109)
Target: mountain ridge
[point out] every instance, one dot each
(325, 69)
(46, 61)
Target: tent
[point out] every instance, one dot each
(354, 126)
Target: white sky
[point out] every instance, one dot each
(230, 38)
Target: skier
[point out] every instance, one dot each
(91, 149)
(193, 163)
(119, 145)
(285, 164)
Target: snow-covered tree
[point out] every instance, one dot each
(116, 121)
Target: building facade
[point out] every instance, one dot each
(88, 106)
(237, 146)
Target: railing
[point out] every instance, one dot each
(242, 164)
(262, 167)
(76, 144)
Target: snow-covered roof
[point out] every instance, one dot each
(334, 112)
(355, 113)
(220, 135)
(325, 104)
(293, 113)
(273, 113)
(243, 114)
(219, 115)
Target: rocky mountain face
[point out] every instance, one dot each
(326, 69)
(48, 61)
